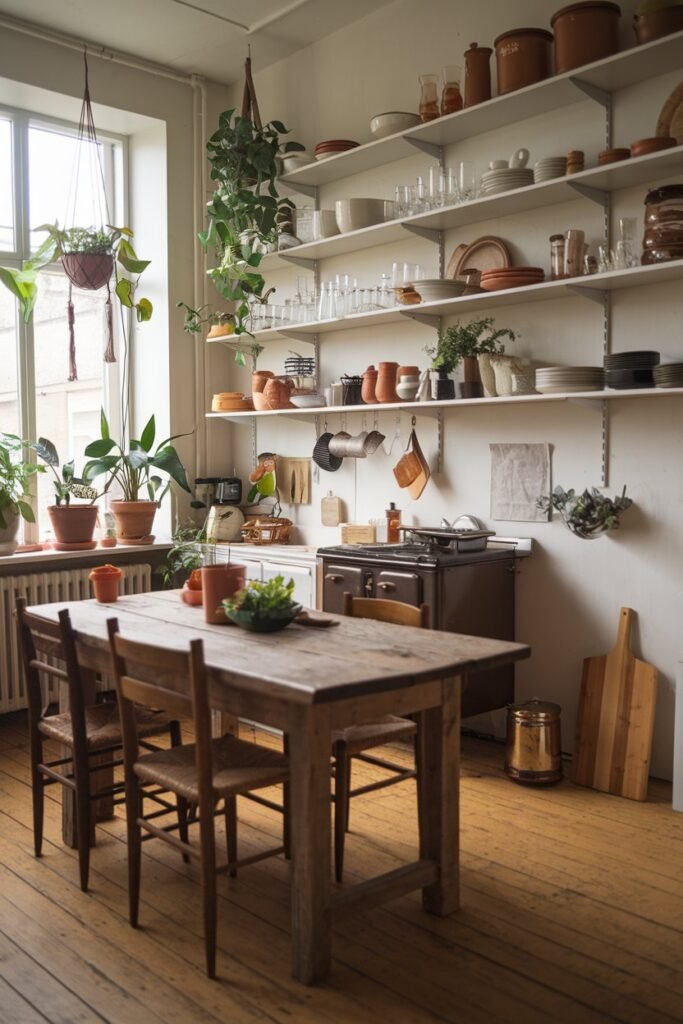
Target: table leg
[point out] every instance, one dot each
(310, 838)
(224, 724)
(438, 784)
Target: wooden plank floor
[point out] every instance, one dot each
(572, 912)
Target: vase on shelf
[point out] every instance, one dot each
(385, 389)
(471, 386)
(444, 386)
(487, 375)
(477, 74)
(429, 97)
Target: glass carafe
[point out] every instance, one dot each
(451, 97)
(429, 100)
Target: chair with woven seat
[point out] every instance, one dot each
(84, 730)
(200, 774)
(354, 740)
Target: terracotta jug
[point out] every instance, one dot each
(385, 390)
(369, 385)
(259, 379)
(276, 393)
(477, 74)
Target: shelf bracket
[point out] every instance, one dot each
(592, 294)
(593, 92)
(309, 339)
(312, 191)
(423, 318)
(596, 195)
(299, 261)
(426, 147)
(431, 234)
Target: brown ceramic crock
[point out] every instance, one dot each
(523, 56)
(385, 390)
(367, 392)
(477, 74)
(656, 24)
(585, 32)
(259, 379)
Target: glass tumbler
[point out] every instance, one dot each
(451, 97)
(429, 99)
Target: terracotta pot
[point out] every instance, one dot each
(105, 581)
(219, 582)
(133, 518)
(277, 392)
(367, 392)
(656, 24)
(477, 74)
(585, 32)
(88, 270)
(8, 534)
(259, 379)
(385, 390)
(195, 580)
(73, 524)
(523, 56)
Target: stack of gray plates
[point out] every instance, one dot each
(670, 375)
(550, 167)
(626, 370)
(502, 179)
(557, 380)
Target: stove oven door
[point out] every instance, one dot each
(399, 586)
(341, 579)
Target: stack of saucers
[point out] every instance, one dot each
(333, 146)
(510, 277)
(502, 179)
(557, 380)
(550, 167)
(625, 370)
(668, 376)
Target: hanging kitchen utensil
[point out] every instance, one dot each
(293, 476)
(418, 485)
(616, 719)
(408, 466)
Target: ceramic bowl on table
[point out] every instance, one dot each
(257, 623)
(391, 122)
(356, 214)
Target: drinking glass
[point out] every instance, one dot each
(403, 201)
(467, 181)
(429, 100)
(421, 196)
(448, 187)
(451, 97)
(605, 259)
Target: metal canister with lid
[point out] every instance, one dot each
(533, 742)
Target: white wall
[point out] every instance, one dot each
(569, 594)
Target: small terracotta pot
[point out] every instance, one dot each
(133, 518)
(585, 32)
(105, 581)
(477, 74)
(259, 379)
(522, 57)
(385, 391)
(195, 580)
(219, 582)
(277, 393)
(656, 24)
(367, 391)
(73, 524)
(88, 270)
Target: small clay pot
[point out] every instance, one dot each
(133, 518)
(585, 32)
(277, 393)
(219, 582)
(477, 74)
(367, 391)
(195, 580)
(105, 581)
(73, 524)
(259, 379)
(523, 56)
(385, 391)
(656, 24)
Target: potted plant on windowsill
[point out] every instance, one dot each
(464, 343)
(133, 470)
(15, 475)
(73, 525)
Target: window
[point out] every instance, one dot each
(37, 160)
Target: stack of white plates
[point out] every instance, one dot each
(550, 167)
(502, 179)
(556, 380)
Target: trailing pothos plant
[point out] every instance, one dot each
(587, 515)
(133, 469)
(245, 209)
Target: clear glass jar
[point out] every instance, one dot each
(663, 237)
(556, 257)
(451, 97)
(429, 99)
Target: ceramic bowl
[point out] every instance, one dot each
(294, 161)
(264, 624)
(652, 145)
(393, 121)
(324, 224)
(407, 390)
(312, 400)
(355, 214)
(436, 290)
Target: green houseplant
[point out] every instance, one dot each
(465, 343)
(587, 515)
(15, 476)
(133, 470)
(72, 524)
(263, 607)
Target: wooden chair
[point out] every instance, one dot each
(87, 731)
(354, 740)
(201, 773)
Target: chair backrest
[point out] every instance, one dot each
(381, 610)
(156, 677)
(37, 637)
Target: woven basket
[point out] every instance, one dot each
(266, 530)
(88, 270)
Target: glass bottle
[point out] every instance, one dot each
(393, 515)
(429, 100)
(556, 257)
(451, 97)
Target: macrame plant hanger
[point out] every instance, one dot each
(88, 270)
(249, 102)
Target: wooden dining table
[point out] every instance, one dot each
(306, 682)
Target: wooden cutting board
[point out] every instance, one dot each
(616, 719)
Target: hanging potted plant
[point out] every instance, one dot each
(133, 471)
(15, 475)
(587, 515)
(464, 343)
(73, 525)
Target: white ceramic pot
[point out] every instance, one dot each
(488, 377)
(8, 534)
(324, 224)
(503, 368)
(356, 214)
(407, 389)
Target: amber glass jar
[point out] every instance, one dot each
(663, 236)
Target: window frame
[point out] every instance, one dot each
(115, 170)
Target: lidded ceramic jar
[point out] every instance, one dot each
(477, 74)
(585, 32)
(367, 392)
(523, 57)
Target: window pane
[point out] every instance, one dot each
(6, 188)
(68, 413)
(9, 404)
(59, 167)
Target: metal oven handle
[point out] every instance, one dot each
(334, 577)
(386, 586)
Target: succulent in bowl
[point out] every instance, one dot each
(263, 607)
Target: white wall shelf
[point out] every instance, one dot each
(433, 408)
(641, 170)
(606, 76)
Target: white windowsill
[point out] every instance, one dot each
(29, 558)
